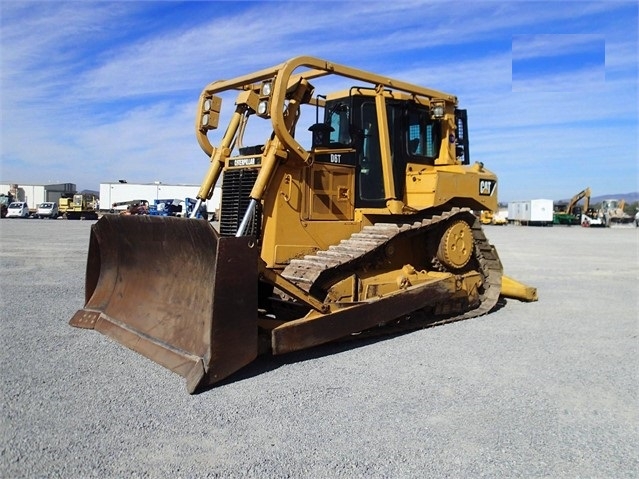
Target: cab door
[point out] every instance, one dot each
(331, 185)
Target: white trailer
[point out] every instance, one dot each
(531, 212)
(33, 195)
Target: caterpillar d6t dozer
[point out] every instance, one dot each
(370, 221)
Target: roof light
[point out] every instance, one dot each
(437, 110)
(266, 88)
(262, 108)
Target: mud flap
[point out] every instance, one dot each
(175, 291)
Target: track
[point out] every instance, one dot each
(363, 250)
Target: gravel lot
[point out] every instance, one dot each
(547, 389)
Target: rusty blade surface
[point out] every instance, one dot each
(175, 291)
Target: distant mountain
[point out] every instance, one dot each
(629, 197)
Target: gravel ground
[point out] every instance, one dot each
(547, 389)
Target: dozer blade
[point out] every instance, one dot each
(175, 291)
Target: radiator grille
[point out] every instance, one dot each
(236, 188)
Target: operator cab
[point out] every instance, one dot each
(411, 130)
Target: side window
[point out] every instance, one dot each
(338, 118)
(423, 136)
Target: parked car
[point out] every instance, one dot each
(47, 210)
(18, 209)
(637, 219)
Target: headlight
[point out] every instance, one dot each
(262, 107)
(266, 89)
(210, 113)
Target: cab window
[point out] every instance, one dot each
(339, 120)
(423, 136)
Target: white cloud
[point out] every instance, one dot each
(550, 45)
(95, 85)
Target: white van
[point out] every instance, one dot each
(18, 209)
(47, 210)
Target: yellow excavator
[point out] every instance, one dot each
(570, 214)
(370, 222)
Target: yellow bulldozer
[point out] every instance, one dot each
(369, 222)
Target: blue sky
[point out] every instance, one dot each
(93, 92)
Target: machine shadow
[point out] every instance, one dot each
(266, 362)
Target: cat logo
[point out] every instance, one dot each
(487, 187)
